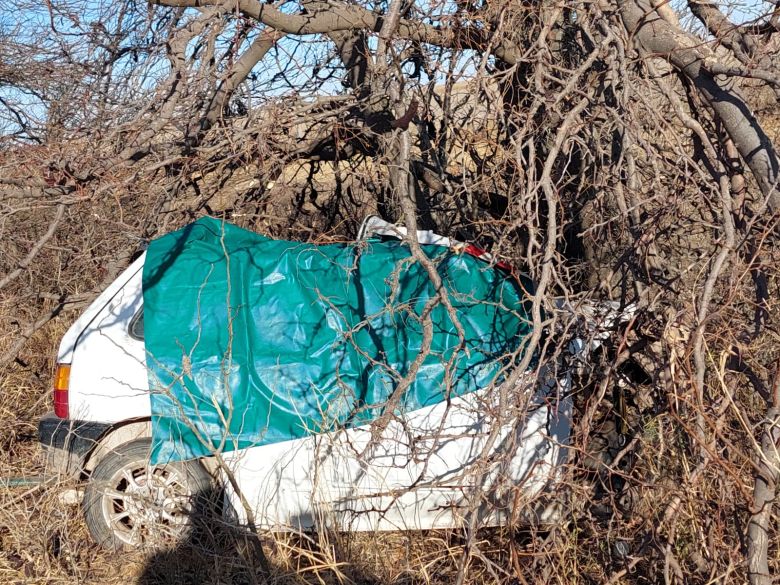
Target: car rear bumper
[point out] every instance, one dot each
(66, 443)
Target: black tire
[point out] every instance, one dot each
(124, 509)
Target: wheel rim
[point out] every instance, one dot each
(147, 505)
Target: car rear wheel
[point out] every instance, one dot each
(130, 503)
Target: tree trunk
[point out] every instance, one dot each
(655, 36)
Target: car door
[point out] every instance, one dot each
(419, 474)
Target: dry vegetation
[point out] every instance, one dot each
(590, 149)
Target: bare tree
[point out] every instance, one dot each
(618, 150)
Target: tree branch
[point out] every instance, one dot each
(654, 36)
(764, 489)
(725, 31)
(14, 274)
(344, 17)
(239, 72)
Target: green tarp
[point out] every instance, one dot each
(252, 340)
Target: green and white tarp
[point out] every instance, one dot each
(252, 340)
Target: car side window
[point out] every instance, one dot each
(136, 329)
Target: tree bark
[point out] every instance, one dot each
(654, 36)
(764, 490)
(238, 73)
(350, 17)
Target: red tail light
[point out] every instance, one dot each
(473, 250)
(61, 381)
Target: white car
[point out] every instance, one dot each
(436, 467)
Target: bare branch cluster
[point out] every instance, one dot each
(600, 147)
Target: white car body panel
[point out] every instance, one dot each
(327, 478)
(108, 379)
(336, 480)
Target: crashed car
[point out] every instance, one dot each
(334, 385)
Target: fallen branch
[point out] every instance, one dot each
(764, 489)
